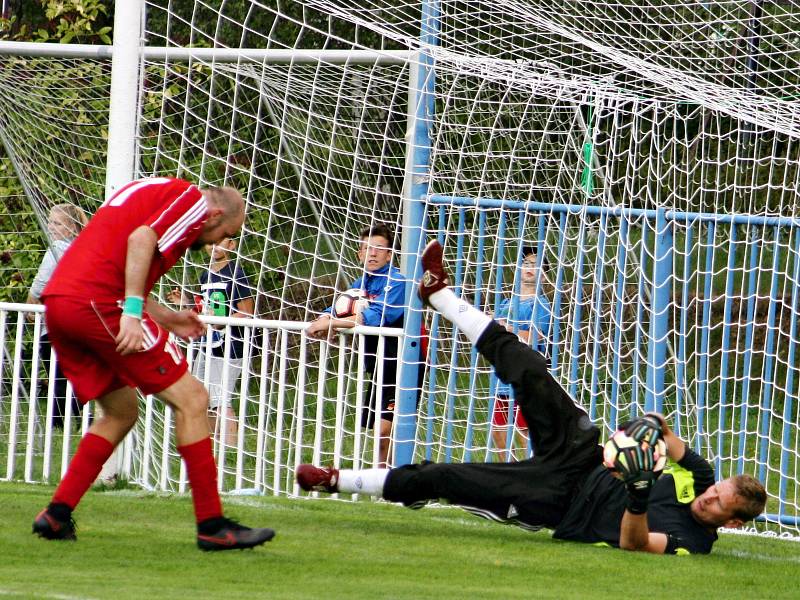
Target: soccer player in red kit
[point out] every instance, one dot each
(111, 338)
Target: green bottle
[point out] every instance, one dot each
(217, 303)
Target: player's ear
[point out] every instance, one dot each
(733, 523)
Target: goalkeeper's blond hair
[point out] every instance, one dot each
(753, 495)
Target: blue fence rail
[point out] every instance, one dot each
(691, 314)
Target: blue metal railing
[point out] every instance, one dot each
(696, 336)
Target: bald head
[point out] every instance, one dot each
(228, 199)
(225, 215)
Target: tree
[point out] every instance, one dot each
(63, 21)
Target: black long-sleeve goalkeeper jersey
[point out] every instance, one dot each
(596, 512)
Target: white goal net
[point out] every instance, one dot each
(648, 151)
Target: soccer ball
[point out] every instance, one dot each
(350, 303)
(620, 440)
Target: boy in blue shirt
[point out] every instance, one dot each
(384, 287)
(532, 322)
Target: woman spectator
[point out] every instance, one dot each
(64, 223)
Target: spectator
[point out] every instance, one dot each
(532, 320)
(64, 223)
(384, 286)
(226, 292)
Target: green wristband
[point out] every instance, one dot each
(133, 307)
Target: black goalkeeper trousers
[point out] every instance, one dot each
(531, 493)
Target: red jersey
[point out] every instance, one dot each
(94, 265)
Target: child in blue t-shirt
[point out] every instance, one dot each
(532, 321)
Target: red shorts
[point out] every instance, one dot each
(82, 333)
(502, 406)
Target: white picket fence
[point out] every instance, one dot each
(297, 400)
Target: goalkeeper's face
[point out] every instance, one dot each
(717, 506)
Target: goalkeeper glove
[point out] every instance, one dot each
(639, 489)
(635, 467)
(645, 429)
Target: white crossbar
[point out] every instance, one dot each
(222, 55)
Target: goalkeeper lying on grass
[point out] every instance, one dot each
(565, 486)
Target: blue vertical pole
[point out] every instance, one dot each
(433, 348)
(619, 305)
(430, 406)
(498, 295)
(680, 371)
(788, 403)
(578, 313)
(555, 331)
(540, 261)
(637, 343)
(770, 357)
(513, 310)
(726, 343)
(599, 271)
(477, 298)
(513, 307)
(417, 188)
(458, 276)
(705, 332)
(659, 318)
(749, 338)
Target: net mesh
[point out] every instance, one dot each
(593, 131)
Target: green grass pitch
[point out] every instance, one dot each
(133, 544)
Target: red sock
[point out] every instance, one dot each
(202, 472)
(85, 466)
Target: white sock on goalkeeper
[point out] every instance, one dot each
(364, 481)
(462, 314)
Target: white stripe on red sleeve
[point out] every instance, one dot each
(182, 215)
(192, 218)
(174, 210)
